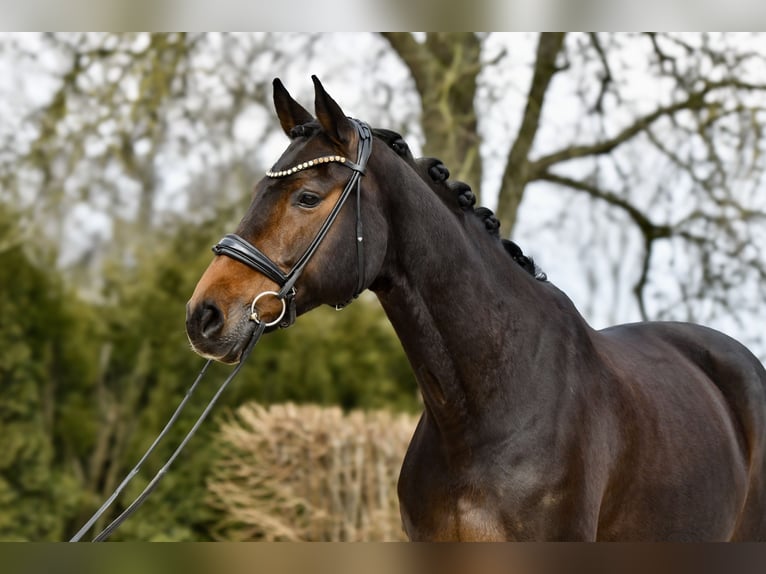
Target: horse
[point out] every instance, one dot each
(535, 426)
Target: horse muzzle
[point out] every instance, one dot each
(216, 334)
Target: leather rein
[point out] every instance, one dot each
(240, 250)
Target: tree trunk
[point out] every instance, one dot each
(517, 170)
(445, 67)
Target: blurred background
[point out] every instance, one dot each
(630, 166)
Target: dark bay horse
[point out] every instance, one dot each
(535, 426)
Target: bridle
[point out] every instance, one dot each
(243, 251)
(240, 250)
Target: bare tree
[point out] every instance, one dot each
(138, 128)
(666, 131)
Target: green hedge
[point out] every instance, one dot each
(86, 387)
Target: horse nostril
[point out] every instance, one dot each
(210, 320)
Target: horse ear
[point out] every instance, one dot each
(289, 112)
(334, 122)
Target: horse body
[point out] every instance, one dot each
(694, 434)
(535, 426)
(538, 427)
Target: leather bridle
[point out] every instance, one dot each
(244, 252)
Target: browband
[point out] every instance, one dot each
(313, 162)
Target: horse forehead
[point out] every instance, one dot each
(303, 149)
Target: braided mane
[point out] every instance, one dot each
(457, 194)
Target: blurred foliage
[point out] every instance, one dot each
(45, 418)
(87, 386)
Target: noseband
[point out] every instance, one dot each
(235, 247)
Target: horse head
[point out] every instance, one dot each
(297, 246)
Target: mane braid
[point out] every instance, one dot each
(466, 200)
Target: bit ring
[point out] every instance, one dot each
(254, 316)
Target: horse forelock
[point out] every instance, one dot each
(305, 130)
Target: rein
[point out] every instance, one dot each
(240, 250)
(104, 534)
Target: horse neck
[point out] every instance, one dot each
(483, 336)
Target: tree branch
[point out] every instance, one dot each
(516, 172)
(695, 101)
(648, 228)
(414, 55)
(606, 79)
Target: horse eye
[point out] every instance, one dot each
(308, 199)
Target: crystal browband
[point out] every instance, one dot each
(307, 164)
